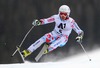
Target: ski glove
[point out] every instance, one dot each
(80, 37)
(36, 22)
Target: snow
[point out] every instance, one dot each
(77, 61)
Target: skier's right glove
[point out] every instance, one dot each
(36, 22)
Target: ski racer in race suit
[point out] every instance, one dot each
(59, 36)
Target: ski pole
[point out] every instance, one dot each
(84, 51)
(22, 40)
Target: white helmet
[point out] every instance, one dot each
(64, 8)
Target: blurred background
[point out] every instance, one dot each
(16, 17)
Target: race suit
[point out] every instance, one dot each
(59, 36)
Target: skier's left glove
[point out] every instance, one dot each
(80, 37)
(36, 22)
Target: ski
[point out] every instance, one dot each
(41, 53)
(18, 49)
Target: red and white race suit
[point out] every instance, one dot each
(59, 36)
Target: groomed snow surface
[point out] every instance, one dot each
(78, 61)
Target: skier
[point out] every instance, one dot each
(59, 36)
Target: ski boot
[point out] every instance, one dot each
(46, 51)
(25, 53)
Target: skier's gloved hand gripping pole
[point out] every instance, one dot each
(80, 37)
(79, 40)
(34, 23)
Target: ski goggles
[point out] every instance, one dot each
(62, 13)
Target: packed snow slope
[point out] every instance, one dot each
(77, 61)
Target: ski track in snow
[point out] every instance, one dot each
(78, 61)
